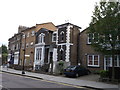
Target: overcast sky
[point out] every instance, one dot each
(31, 12)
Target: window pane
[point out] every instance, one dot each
(95, 60)
(33, 32)
(54, 37)
(96, 37)
(119, 60)
(108, 59)
(90, 37)
(115, 61)
(90, 60)
(40, 53)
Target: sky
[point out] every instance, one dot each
(31, 12)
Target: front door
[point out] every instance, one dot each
(39, 56)
(107, 62)
(46, 55)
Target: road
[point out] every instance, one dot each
(10, 81)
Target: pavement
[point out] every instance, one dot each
(84, 81)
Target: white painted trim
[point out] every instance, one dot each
(61, 49)
(53, 36)
(67, 58)
(105, 66)
(39, 62)
(27, 55)
(41, 38)
(62, 26)
(39, 44)
(34, 59)
(65, 44)
(54, 54)
(93, 60)
(61, 32)
(104, 63)
(16, 57)
(57, 37)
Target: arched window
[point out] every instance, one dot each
(41, 38)
(62, 36)
(61, 53)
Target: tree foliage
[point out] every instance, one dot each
(106, 27)
(4, 49)
(4, 54)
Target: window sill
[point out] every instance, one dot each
(93, 66)
(88, 44)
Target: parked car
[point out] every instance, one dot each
(76, 71)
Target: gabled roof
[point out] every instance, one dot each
(48, 23)
(68, 24)
(42, 30)
(84, 30)
(45, 23)
(29, 28)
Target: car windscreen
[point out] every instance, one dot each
(71, 67)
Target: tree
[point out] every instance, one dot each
(4, 54)
(105, 29)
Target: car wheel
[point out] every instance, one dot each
(66, 75)
(76, 75)
(88, 72)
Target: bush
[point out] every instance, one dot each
(104, 73)
(96, 72)
(61, 67)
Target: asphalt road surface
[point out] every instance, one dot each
(12, 81)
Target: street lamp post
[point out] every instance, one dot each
(23, 68)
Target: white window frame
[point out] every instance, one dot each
(93, 65)
(23, 45)
(28, 34)
(93, 38)
(23, 36)
(31, 43)
(38, 54)
(27, 45)
(88, 38)
(61, 34)
(41, 38)
(17, 46)
(61, 49)
(110, 64)
(32, 33)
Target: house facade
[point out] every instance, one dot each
(25, 50)
(67, 42)
(45, 46)
(14, 49)
(54, 46)
(91, 59)
(0, 56)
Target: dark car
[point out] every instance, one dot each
(76, 71)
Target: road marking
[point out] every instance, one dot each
(56, 82)
(1, 86)
(65, 84)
